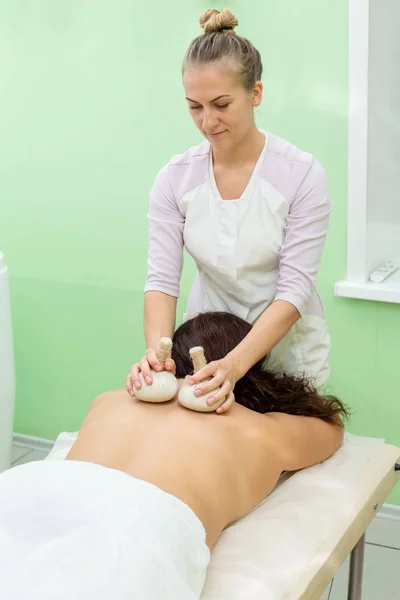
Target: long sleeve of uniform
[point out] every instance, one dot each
(304, 239)
(264, 246)
(166, 223)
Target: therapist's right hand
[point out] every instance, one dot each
(148, 362)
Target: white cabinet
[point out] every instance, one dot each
(373, 234)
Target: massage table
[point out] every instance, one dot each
(292, 545)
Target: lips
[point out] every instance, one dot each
(215, 135)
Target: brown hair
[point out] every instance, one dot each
(260, 389)
(220, 42)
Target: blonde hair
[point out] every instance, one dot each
(219, 41)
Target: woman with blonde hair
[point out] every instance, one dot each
(252, 210)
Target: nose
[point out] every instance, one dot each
(210, 120)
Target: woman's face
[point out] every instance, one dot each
(220, 106)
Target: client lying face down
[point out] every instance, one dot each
(147, 489)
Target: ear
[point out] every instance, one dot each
(257, 93)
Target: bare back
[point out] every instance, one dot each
(221, 466)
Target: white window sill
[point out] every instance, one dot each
(388, 291)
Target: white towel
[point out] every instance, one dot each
(72, 530)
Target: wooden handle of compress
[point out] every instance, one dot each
(164, 350)
(198, 358)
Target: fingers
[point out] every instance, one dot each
(227, 404)
(215, 375)
(144, 369)
(148, 362)
(207, 371)
(170, 366)
(152, 360)
(129, 385)
(224, 390)
(133, 381)
(207, 386)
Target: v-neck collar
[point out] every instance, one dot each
(256, 169)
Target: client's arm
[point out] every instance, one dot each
(305, 441)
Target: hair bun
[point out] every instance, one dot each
(214, 20)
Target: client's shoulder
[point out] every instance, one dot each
(303, 441)
(120, 395)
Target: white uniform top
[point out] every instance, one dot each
(264, 246)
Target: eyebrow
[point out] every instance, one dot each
(215, 99)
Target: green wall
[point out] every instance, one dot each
(92, 106)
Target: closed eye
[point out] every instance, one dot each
(220, 106)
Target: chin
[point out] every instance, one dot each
(224, 142)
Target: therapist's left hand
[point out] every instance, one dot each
(223, 375)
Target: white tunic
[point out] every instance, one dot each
(263, 246)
